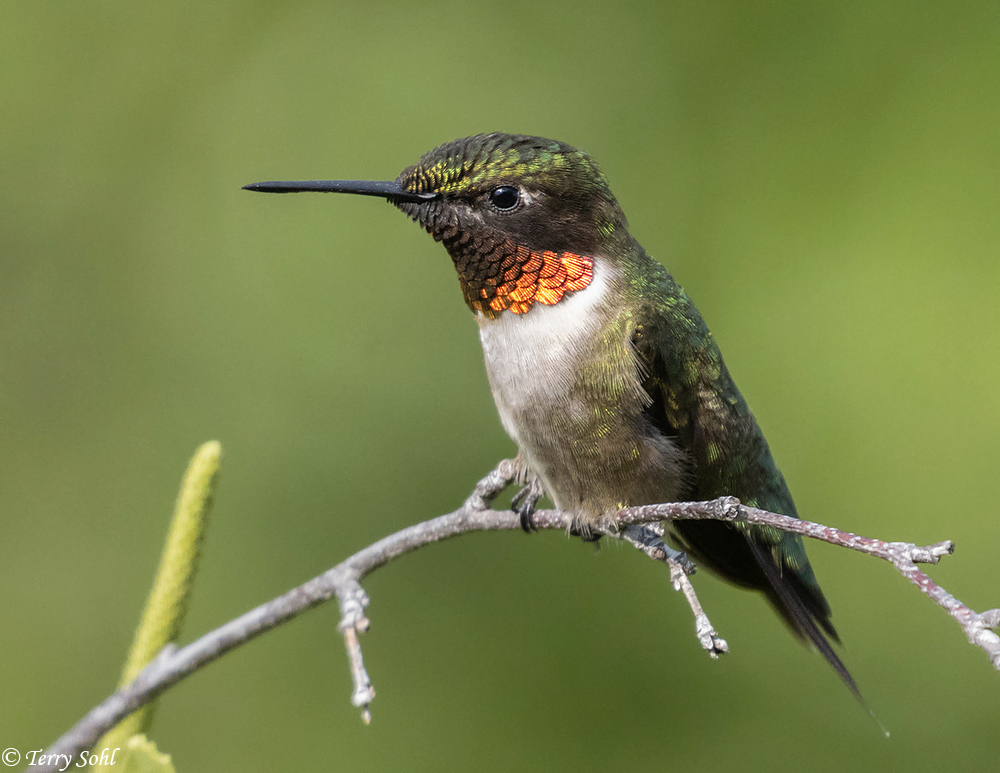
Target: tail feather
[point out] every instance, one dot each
(737, 556)
(800, 615)
(791, 605)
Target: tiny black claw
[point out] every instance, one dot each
(523, 504)
(586, 535)
(527, 521)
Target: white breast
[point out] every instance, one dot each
(534, 359)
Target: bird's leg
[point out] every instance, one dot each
(526, 499)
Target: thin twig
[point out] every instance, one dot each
(649, 539)
(635, 525)
(979, 627)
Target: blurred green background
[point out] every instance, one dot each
(823, 180)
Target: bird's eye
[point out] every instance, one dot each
(505, 197)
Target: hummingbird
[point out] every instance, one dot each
(604, 373)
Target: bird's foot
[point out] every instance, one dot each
(525, 501)
(585, 534)
(585, 529)
(524, 504)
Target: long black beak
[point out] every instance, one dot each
(390, 190)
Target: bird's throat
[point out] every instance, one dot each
(512, 277)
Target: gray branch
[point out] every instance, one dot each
(639, 526)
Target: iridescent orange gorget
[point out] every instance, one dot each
(528, 277)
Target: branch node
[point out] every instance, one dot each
(930, 554)
(990, 618)
(489, 488)
(981, 636)
(353, 603)
(728, 509)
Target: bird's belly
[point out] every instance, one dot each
(569, 395)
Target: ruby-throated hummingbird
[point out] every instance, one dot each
(603, 371)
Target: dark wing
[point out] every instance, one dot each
(695, 402)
